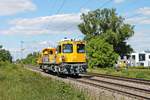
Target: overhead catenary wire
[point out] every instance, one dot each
(132, 16)
(104, 4)
(63, 3)
(61, 6)
(54, 4)
(57, 12)
(84, 4)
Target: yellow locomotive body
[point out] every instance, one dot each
(70, 58)
(47, 57)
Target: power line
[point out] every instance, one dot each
(84, 4)
(53, 5)
(105, 3)
(58, 11)
(61, 6)
(21, 49)
(135, 15)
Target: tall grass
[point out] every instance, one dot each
(17, 83)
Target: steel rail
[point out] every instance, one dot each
(115, 90)
(134, 80)
(120, 85)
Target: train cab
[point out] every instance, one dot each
(47, 57)
(71, 57)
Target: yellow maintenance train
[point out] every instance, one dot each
(68, 58)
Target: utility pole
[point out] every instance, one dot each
(21, 51)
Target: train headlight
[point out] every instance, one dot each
(62, 58)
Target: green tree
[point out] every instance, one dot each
(109, 26)
(31, 58)
(5, 55)
(100, 53)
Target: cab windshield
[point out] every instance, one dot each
(80, 48)
(67, 48)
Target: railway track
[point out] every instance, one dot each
(123, 89)
(134, 80)
(133, 87)
(112, 89)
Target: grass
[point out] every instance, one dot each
(17, 83)
(139, 72)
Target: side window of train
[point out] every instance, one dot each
(59, 49)
(80, 48)
(67, 48)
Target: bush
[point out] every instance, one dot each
(100, 53)
(5, 55)
(30, 59)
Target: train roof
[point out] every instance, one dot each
(71, 41)
(48, 49)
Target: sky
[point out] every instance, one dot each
(42, 23)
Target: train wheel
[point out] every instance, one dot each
(44, 70)
(58, 72)
(40, 67)
(77, 75)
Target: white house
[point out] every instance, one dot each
(140, 59)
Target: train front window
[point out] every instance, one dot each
(80, 48)
(67, 48)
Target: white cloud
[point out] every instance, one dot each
(140, 16)
(140, 41)
(139, 20)
(85, 10)
(119, 1)
(10, 7)
(144, 11)
(62, 23)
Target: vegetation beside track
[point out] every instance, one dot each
(17, 83)
(139, 72)
(31, 59)
(5, 55)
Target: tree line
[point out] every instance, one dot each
(5, 55)
(31, 58)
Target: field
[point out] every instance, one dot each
(17, 83)
(138, 72)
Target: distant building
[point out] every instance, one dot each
(140, 59)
